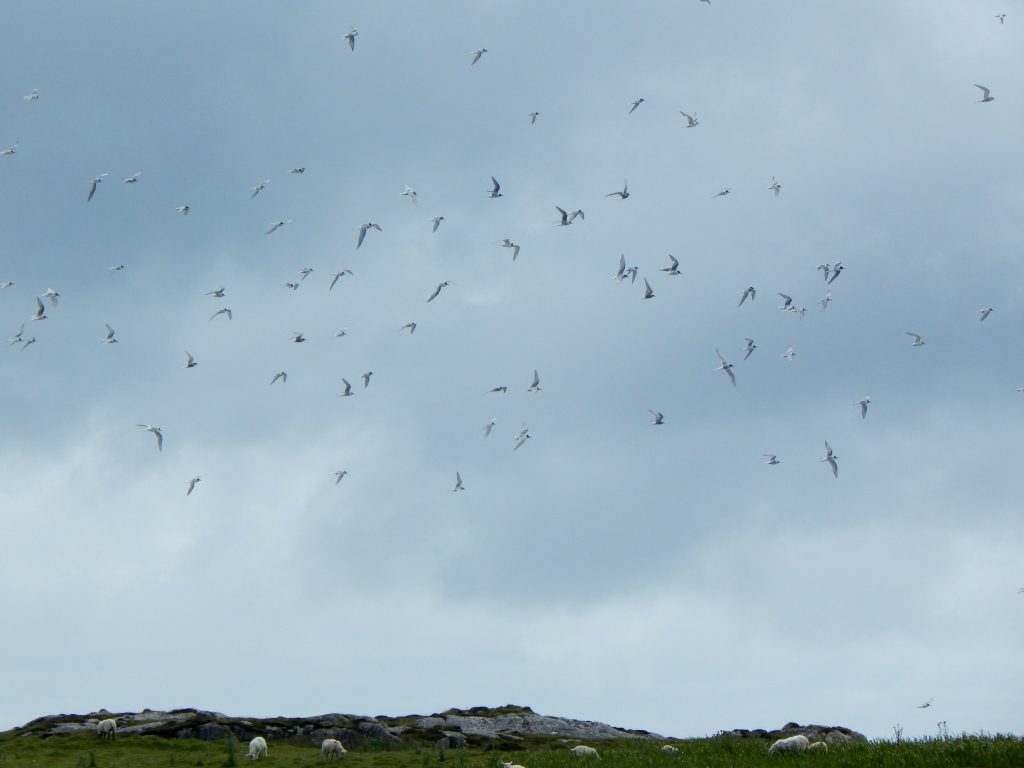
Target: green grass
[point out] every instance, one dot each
(87, 751)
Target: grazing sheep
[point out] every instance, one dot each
(796, 743)
(332, 748)
(582, 751)
(257, 748)
(669, 749)
(510, 765)
(107, 729)
(818, 745)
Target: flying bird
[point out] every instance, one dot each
(986, 94)
(622, 269)
(495, 188)
(623, 194)
(458, 483)
(279, 375)
(522, 437)
(751, 292)
(476, 55)
(831, 459)
(28, 343)
(16, 338)
(659, 419)
(52, 295)
(410, 326)
(40, 310)
(648, 292)
(723, 193)
(93, 184)
(11, 149)
(34, 96)
(775, 187)
(217, 293)
(535, 385)
(506, 243)
(117, 268)
(863, 406)
(489, 426)
(787, 301)
(438, 290)
(342, 332)
(258, 188)
(348, 388)
(1000, 16)
(306, 272)
(335, 277)
(131, 179)
(673, 269)
(351, 37)
(825, 300)
(789, 354)
(109, 339)
(190, 362)
(410, 193)
(926, 704)
(293, 286)
(837, 268)
(183, 209)
(366, 379)
(277, 225)
(636, 104)
(298, 170)
(192, 484)
(691, 120)
(749, 349)
(770, 458)
(500, 389)
(437, 222)
(983, 313)
(533, 117)
(362, 232)
(159, 435)
(918, 341)
(340, 474)
(298, 338)
(725, 366)
(224, 311)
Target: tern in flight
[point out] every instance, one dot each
(476, 55)
(159, 435)
(775, 187)
(648, 292)
(789, 354)
(983, 313)
(863, 406)
(787, 301)
(691, 120)
(506, 243)
(438, 290)
(340, 474)
(40, 310)
(217, 293)
(298, 170)
(751, 292)
(618, 276)
(362, 232)
(533, 117)
(535, 385)
(366, 379)
(277, 225)
(306, 272)
(825, 300)
(725, 366)
(109, 339)
(351, 37)
(502, 389)
(183, 209)
(192, 484)
(298, 338)
(52, 295)
(410, 326)
(258, 188)
(926, 704)
(623, 194)
(190, 361)
(93, 184)
(132, 179)
(437, 222)
(293, 286)
(749, 349)
(34, 96)
(568, 218)
(16, 338)
(674, 268)
(723, 193)
(636, 104)
(831, 459)
(918, 341)
(659, 419)
(771, 458)
(224, 311)
(279, 375)
(458, 483)
(495, 189)
(410, 193)
(348, 388)
(11, 149)
(986, 94)
(837, 269)
(489, 426)
(337, 275)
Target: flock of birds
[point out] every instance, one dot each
(831, 272)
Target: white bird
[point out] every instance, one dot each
(520, 441)
(836, 269)
(348, 388)
(131, 179)
(217, 293)
(506, 243)
(648, 292)
(831, 459)
(723, 193)
(16, 338)
(159, 435)
(190, 362)
(277, 225)
(40, 310)
(489, 426)
(725, 366)
(476, 55)
(192, 484)
(918, 341)
(306, 272)
(258, 188)
(522, 437)
(224, 311)
(983, 313)
(501, 389)
(9, 284)
(279, 375)
(535, 385)
(366, 379)
(574, 214)
(117, 268)
(437, 290)
(93, 184)
(798, 311)
(362, 232)
(494, 189)
(437, 222)
(636, 104)
(659, 419)
(410, 193)
(533, 117)
(926, 704)
(749, 349)
(28, 343)
(52, 295)
(293, 286)
(183, 209)
(789, 354)
(674, 268)
(458, 483)
(751, 292)
(298, 338)
(863, 406)
(825, 300)
(410, 326)
(340, 474)
(787, 301)
(337, 275)
(11, 149)
(775, 187)
(342, 332)
(34, 96)
(564, 221)
(351, 37)
(986, 94)
(770, 458)
(624, 193)
(298, 170)
(1002, 20)
(691, 120)
(109, 337)
(622, 269)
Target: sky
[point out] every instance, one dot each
(657, 577)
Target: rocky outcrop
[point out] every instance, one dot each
(830, 734)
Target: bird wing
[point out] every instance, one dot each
(497, 186)
(362, 234)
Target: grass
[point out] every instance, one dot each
(87, 751)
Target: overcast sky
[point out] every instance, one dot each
(658, 577)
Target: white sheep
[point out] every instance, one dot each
(668, 749)
(332, 748)
(582, 751)
(796, 743)
(257, 748)
(510, 765)
(107, 729)
(818, 745)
